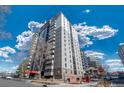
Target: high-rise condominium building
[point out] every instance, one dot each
(121, 52)
(55, 50)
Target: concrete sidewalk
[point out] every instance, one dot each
(91, 84)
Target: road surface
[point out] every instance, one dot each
(27, 83)
(15, 83)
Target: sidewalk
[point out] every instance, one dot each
(61, 84)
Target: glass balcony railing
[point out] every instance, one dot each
(52, 32)
(51, 40)
(49, 62)
(50, 73)
(48, 67)
(50, 57)
(52, 36)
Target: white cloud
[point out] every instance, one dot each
(83, 23)
(86, 11)
(116, 52)
(84, 41)
(113, 60)
(121, 44)
(86, 32)
(8, 60)
(3, 54)
(114, 65)
(94, 54)
(33, 26)
(4, 11)
(15, 67)
(9, 69)
(24, 39)
(5, 51)
(8, 49)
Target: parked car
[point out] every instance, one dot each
(9, 78)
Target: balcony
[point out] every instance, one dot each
(50, 57)
(51, 40)
(48, 73)
(50, 52)
(52, 27)
(52, 32)
(52, 36)
(52, 47)
(49, 62)
(48, 67)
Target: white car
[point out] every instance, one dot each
(9, 78)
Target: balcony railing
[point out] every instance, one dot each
(52, 36)
(48, 67)
(52, 32)
(50, 57)
(51, 40)
(48, 73)
(49, 62)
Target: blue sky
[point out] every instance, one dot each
(15, 20)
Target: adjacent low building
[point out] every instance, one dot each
(93, 67)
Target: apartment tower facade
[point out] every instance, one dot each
(55, 50)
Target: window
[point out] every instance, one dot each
(65, 54)
(65, 49)
(77, 63)
(78, 67)
(71, 66)
(64, 40)
(64, 36)
(65, 45)
(65, 64)
(65, 59)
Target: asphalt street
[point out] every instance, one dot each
(15, 83)
(27, 83)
